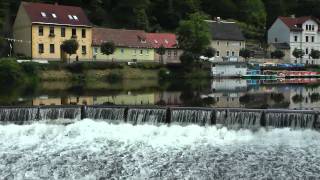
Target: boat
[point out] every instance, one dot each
(257, 74)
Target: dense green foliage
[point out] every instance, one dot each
(166, 14)
(298, 53)
(315, 54)
(193, 34)
(70, 47)
(277, 54)
(108, 48)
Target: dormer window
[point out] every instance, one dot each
(43, 14)
(155, 41)
(70, 17)
(54, 15)
(75, 17)
(166, 41)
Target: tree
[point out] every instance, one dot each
(70, 47)
(193, 34)
(187, 60)
(245, 53)
(315, 54)
(277, 54)
(252, 12)
(161, 51)
(298, 53)
(108, 48)
(209, 52)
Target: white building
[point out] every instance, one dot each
(300, 33)
(229, 69)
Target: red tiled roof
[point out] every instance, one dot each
(121, 37)
(296, 23)
(168, 40)
(35, 10)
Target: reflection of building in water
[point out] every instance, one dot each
(307, 98)
(227, 92)
(168, 98)
(126, 99)
(46, 101)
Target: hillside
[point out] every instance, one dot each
(164, 15)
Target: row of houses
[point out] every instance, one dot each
(40, 29)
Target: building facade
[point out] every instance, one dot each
(40, 29)
(229, 69)
(131, 45)
(299, 33)
(227, 39)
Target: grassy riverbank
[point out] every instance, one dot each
(93, 72)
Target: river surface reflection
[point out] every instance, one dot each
(231, 93)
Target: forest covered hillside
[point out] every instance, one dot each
(255, 16)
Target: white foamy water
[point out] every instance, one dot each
(99, 150)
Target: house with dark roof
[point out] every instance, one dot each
(39, 30)
(131, 45)
(227, 39)
(298, 33)
(169, 42)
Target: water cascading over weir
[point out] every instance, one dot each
(136, 115)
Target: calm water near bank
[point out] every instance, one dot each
(231, 93)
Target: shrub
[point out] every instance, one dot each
(147, 65)
(164, 73)
(297, 98)
(76, 67)
(10, 72)
(30, 68)
(114, 77)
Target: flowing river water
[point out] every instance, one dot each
(90, 149)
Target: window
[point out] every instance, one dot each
(307, 27)
(275, 39)
(40, 31)
(84, 49)
(175, 53)
(51, 31)
(218, 53)
(227, 43)
(54, 15)
(312, 28)
(41, 48)
(122, 51)
(147, 52)
(43, 14)
(228, 53)
(141, 52)
(307, 51)
(232, 53)
(74, 33)
(240, 44)
(312, 38)
(134, 52)
(169, 53)
(95, 50)
(83, 33)
(218, 43)
(307, 38)
(63, 32)
(51, 48)
(295, 38)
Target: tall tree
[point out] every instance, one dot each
(70, 47)
(193, 34)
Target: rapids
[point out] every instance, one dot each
(90, 149)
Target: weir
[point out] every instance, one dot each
(230, 118)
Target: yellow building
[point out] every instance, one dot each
(40, 29)
(130, 45)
